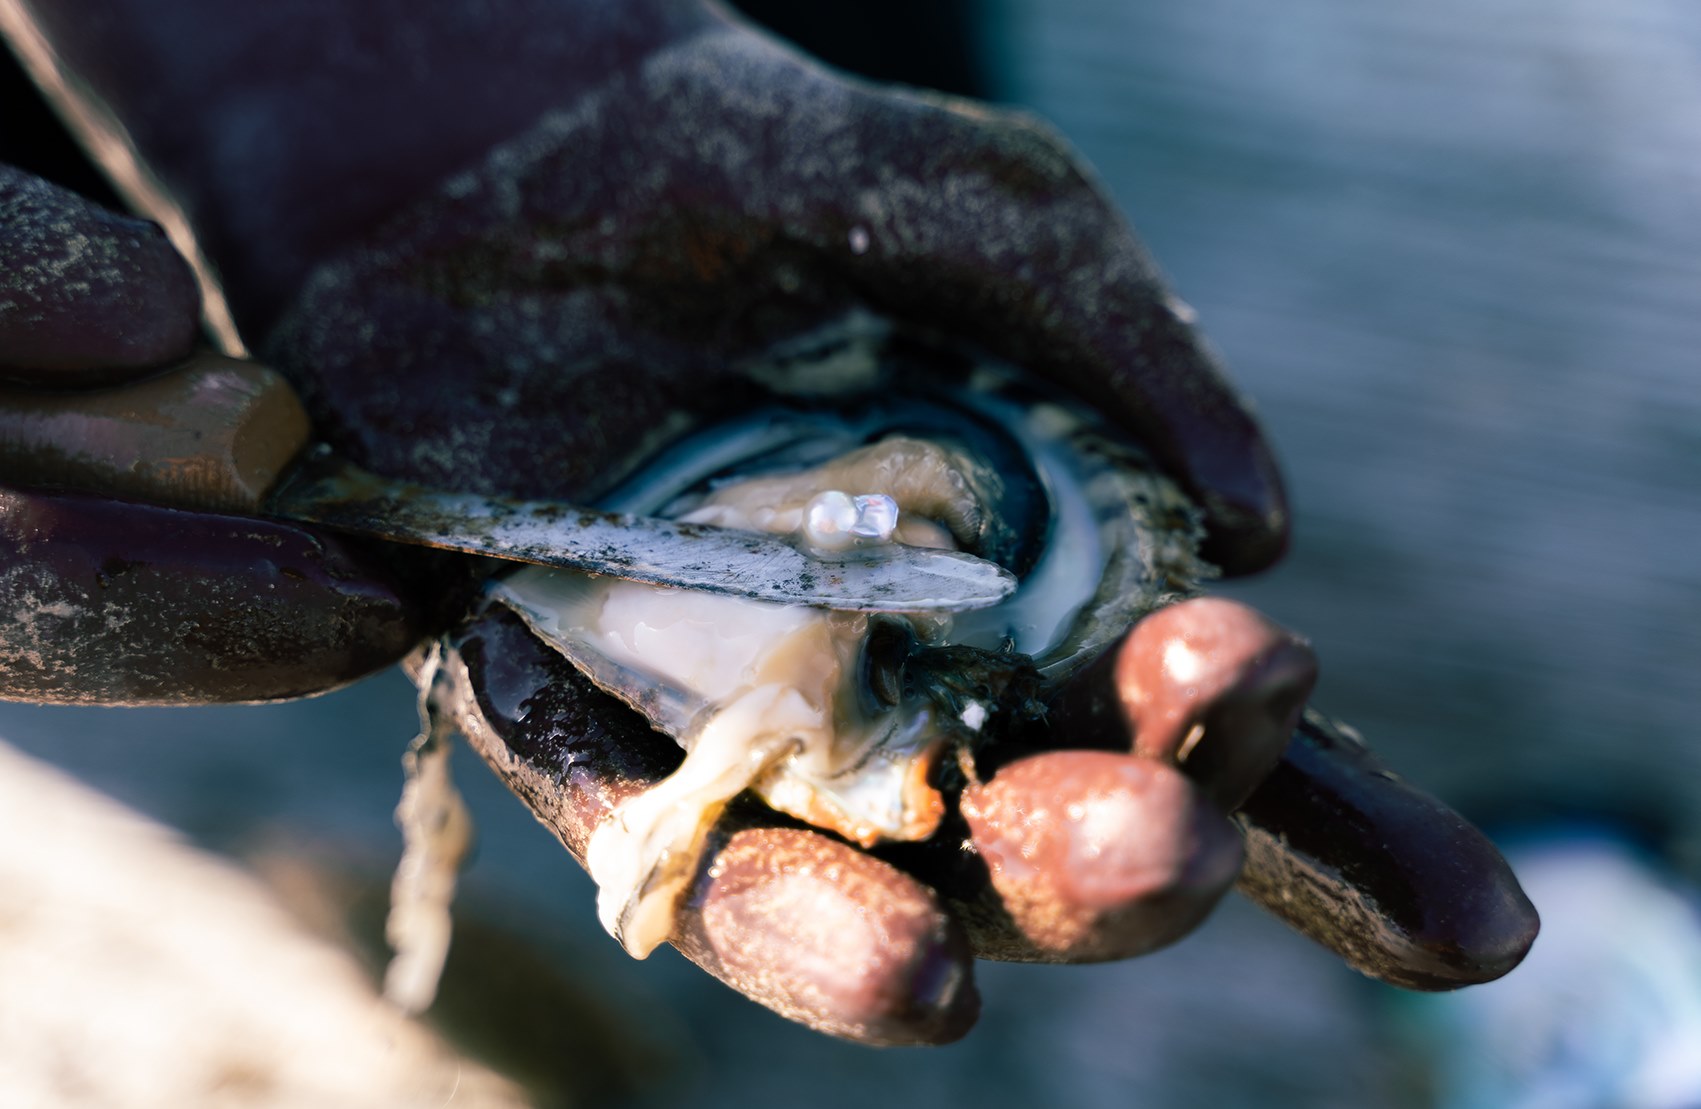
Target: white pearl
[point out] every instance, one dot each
(829, 518)
(876, 517)
(835, 520)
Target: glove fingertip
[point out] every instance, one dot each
(830, 937)
(94, 297)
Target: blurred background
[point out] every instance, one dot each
(1453, 251)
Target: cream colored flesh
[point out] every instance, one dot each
(763, 695)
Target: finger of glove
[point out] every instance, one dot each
(107, 602)
(1096, 855)
(1383, 874)
(1208, 685)
(86, 296)
(970, 222)
(742, 196)
(804, 924)
(1017, 247)
(212, 434)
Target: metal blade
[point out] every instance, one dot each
(890, 578)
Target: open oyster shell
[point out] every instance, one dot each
(1384, 875)
(841, 719)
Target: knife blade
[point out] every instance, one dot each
(332, 493)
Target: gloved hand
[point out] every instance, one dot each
(593, 280)
(551, 315)
(123, 602)
(556, 308)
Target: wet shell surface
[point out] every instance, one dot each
(841, 719)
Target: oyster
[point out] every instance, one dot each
(841, 719)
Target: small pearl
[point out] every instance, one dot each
(835, 520)
(876, 517)
(828, 520)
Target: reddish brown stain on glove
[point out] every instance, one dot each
(820, 932)
(1098, 855)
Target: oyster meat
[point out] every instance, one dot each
(840, 719)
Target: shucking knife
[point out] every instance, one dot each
(227, 436)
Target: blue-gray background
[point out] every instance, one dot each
(1453, 250)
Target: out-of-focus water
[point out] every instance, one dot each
(1454, 252)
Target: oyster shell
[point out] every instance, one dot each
(839, 719)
